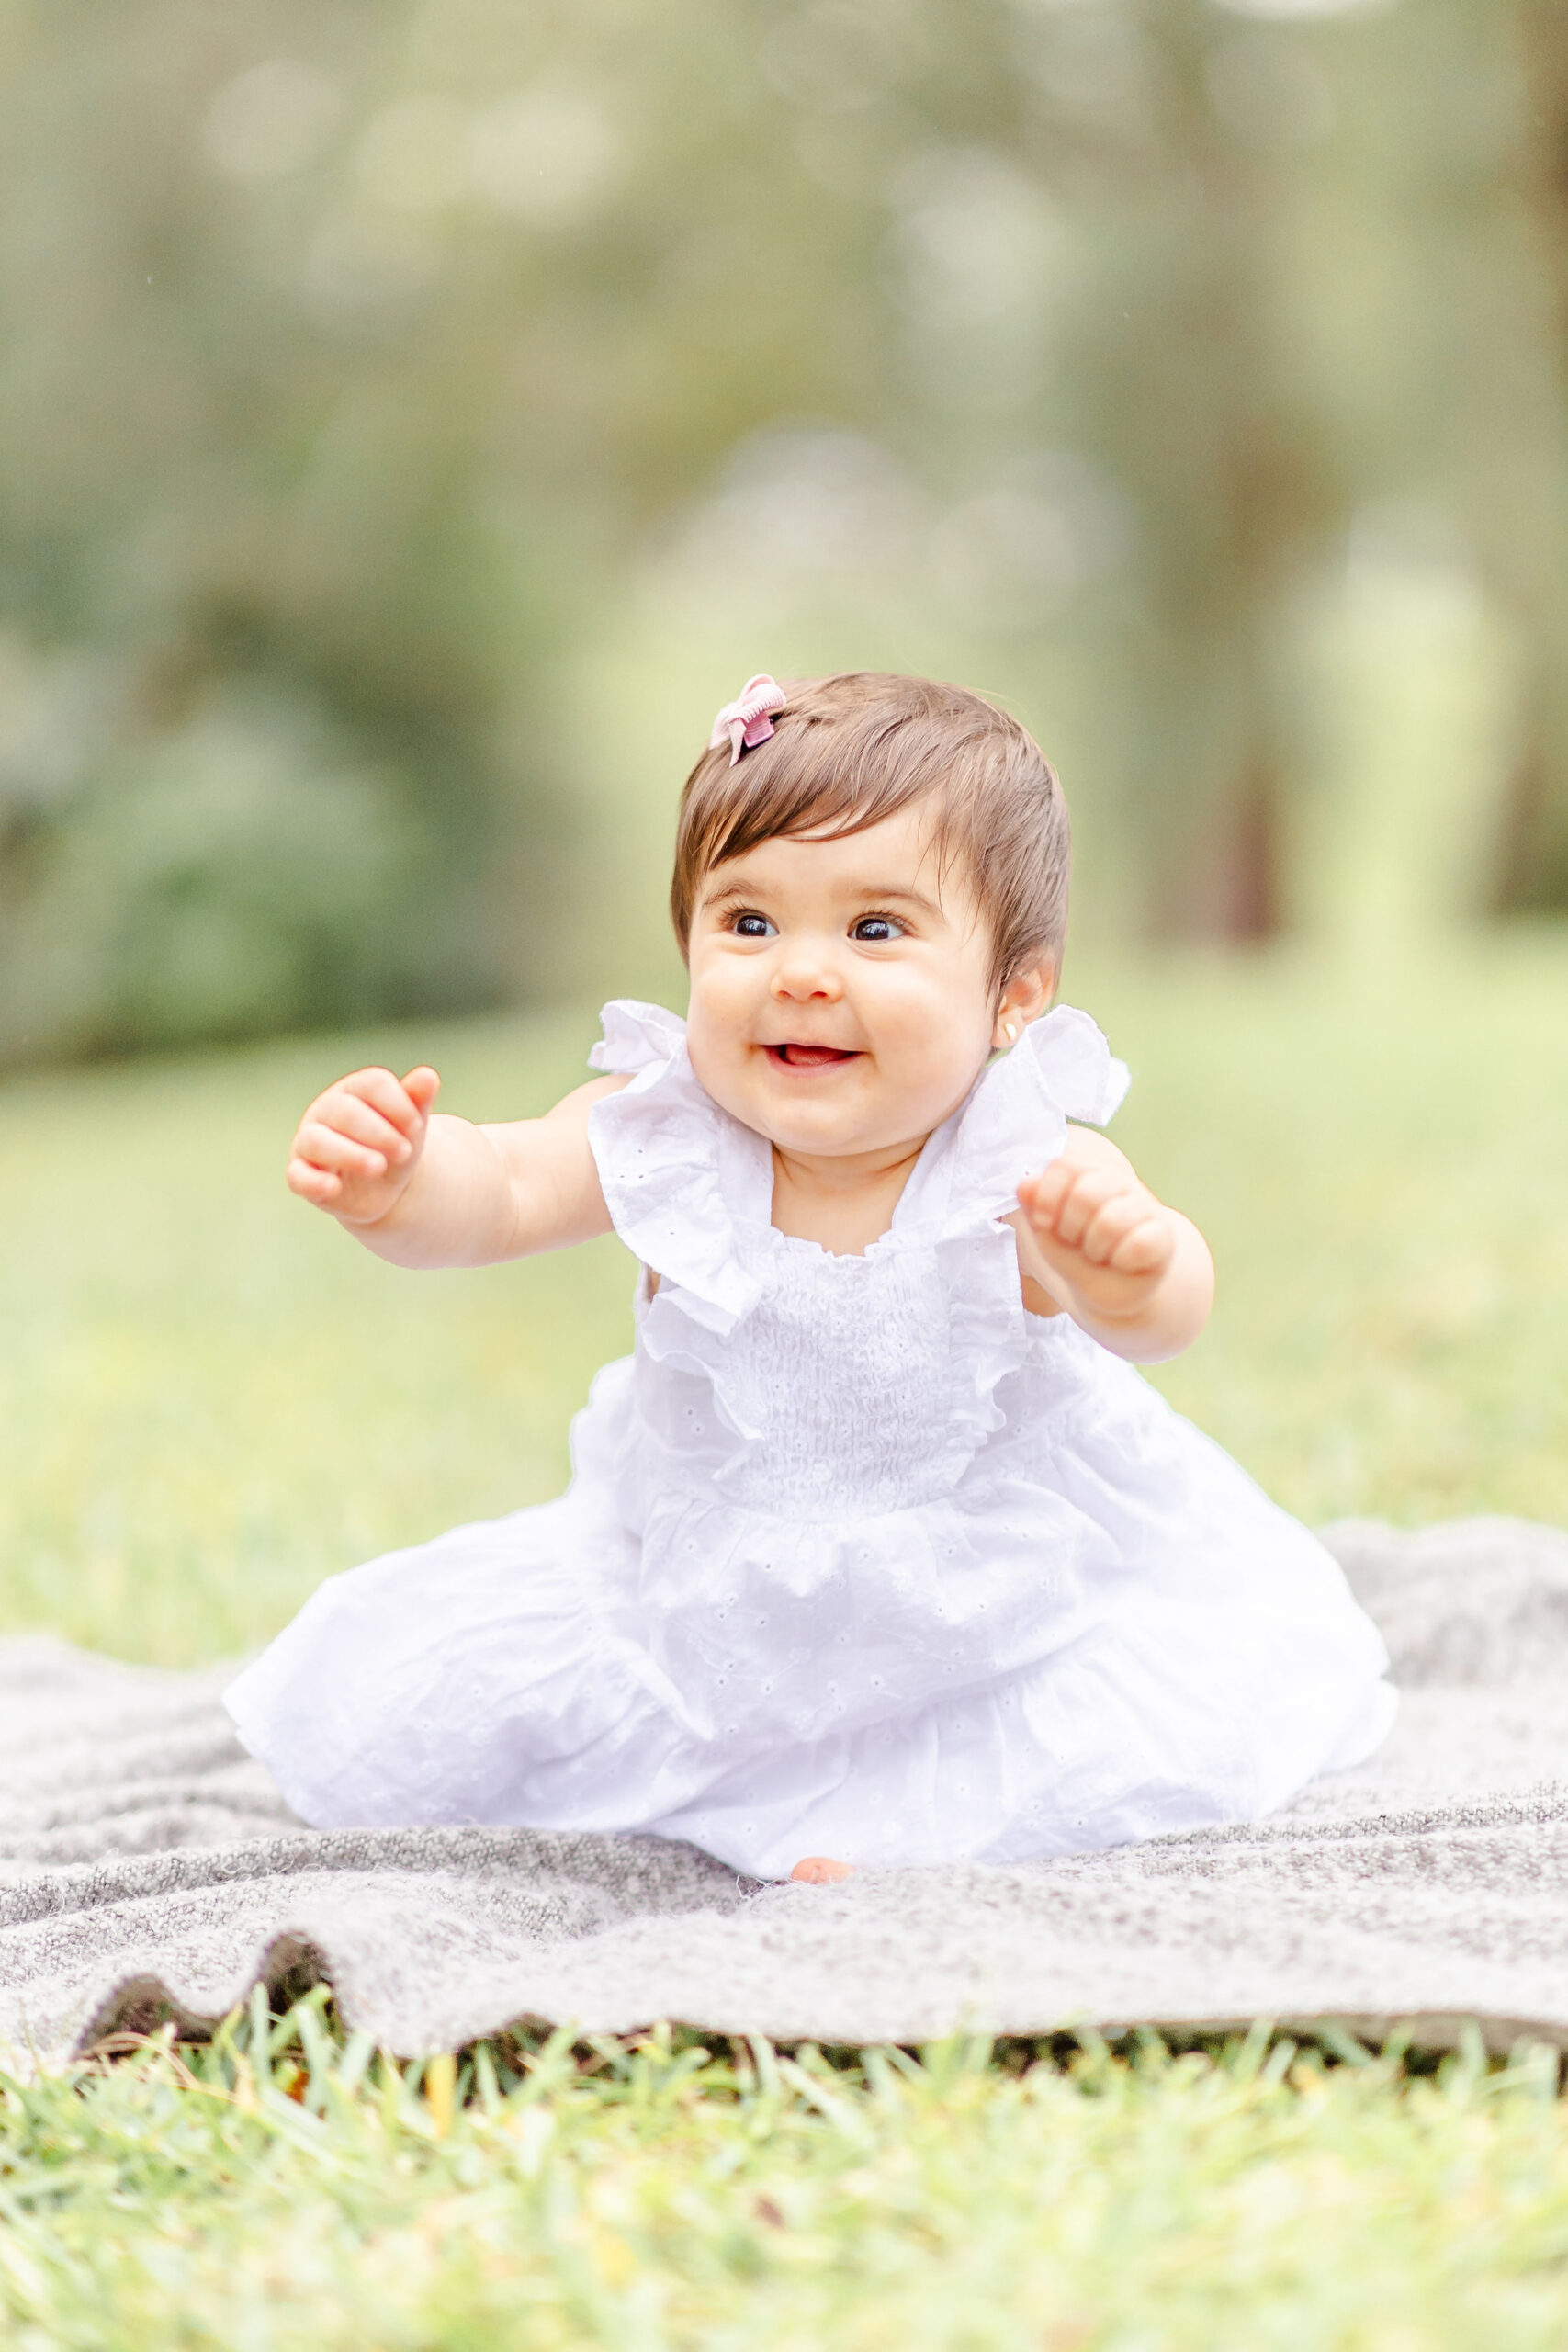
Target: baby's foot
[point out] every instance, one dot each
(817, 1869)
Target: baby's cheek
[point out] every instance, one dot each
(933, 1058)
(716, 1037)
(724, 989)
(713, 1056)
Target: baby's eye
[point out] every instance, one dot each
(876, 930)
(753, 927)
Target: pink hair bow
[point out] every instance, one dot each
(744, 723)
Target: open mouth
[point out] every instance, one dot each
(793, 1056)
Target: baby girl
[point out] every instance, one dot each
(878, 1550)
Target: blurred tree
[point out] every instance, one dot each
(1182, 383)
(219, 506)
(1530, 551)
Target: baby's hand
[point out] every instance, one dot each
(359, 1143)
(1101, 1230)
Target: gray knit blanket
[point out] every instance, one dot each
(148, 1867)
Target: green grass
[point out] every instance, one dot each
(283, 2189)
(208, 1399)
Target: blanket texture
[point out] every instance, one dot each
(148, 1867)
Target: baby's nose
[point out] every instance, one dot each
(803, 974)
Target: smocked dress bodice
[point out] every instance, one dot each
(801, 1384)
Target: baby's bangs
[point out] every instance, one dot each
(837, 762)
(810, 778)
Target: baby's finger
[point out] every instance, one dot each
(1088, 1195)
(1146, 1249)
(1112, 1222)
(1038, 1196)
(350, 1115)
(323, 1146)
(318, 1185)
(1042, 1197)
(422, 1086)
(383, 1093)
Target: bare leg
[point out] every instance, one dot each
(817, 1869)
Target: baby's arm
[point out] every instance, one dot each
(424, 1191)
(1094, 1243)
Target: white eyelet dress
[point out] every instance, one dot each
(859, 1557)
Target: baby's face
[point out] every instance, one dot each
(840, 1003)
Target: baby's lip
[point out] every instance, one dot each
(797, 1054)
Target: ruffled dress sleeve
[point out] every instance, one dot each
(674, 1168)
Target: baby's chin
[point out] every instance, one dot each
(826, 1130)
(809, 1122)
(823, 1138)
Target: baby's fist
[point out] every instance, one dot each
(1101, 1229)
(359, 1143)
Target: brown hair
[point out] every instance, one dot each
(852, 750)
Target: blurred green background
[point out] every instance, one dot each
(415, 419)
(416, 416)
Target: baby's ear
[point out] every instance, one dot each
(1023, 999)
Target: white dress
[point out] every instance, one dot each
(859, 1557)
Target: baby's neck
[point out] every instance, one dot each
(844, 1204)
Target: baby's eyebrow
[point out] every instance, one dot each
(883, 893)
(865, 893)
(721, 894)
